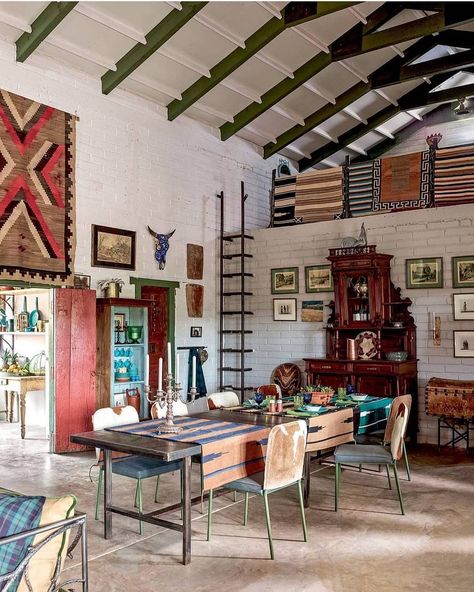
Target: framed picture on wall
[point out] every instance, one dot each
(195, 332)
(463, 307)
(312, 311)
(463, 344)
(284, 309)
(285, 280)
(424, 273)
(318, 278)
(113, 247)
(463, 271)
(82, 281)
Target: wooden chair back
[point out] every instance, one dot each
(285, 454)
(398, 432)
(397, 401)
(270, 390)
(179, 409)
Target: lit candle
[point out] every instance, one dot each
(176, 368)
(147, 370)
(169, 357)
(160, 374)
(193, 383)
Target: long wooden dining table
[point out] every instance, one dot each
(324, 433)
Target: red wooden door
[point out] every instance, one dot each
(157, 329)
(74, 365)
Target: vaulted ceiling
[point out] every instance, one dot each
(313, 81)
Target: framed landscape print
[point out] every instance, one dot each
(113, 247)
(285, 280)
(312, 311)
(463, 344)
(318, 278)
(424, 273)
(463, 272)
(463, 307)
(284, 309)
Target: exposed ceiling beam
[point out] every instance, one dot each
(303, 74)
(354, 115)
(14, 21)
(352, 43)
(384, 132)
(418, 97)
(297, 13)
(324, 134)
(220, 30)
(310, 38)
(317, 90)
(457, 39)
(416, 116)
(239, 56)
(271, 8)
(384, 96)
(357, 149)
(353, 70)
(154, 40)
(184, 60)
(41, 27)
(84, 54)
(89, 11)
(396, 73)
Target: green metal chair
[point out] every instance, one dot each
(358, 454)
(283, 468)
(134, 467)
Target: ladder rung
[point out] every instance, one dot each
(236, 312)
(237, 293)
(234, 255)
(239, 274)
(230, 350)
(235, 331)
(231, 369)
(230, 237)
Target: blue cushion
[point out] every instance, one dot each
(362, 454)
(141, 467)
(252, 484)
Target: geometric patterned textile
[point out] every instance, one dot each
(288, 377)
(360, 188)
(402, 182)
(454, 176)
(330, 429)
(229, 450)
(37, 209)
(284, 193)
(319, 195)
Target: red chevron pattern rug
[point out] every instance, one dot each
(37, 209)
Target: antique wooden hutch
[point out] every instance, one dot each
(367, 308)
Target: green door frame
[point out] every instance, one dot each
(171, 286)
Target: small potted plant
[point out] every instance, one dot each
(111, 288)
(320, 395)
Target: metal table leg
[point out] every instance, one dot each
(186, 506)
(22, 414)
(307, 478)
(107, 493)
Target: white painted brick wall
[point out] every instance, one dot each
(135, 168)
(441, 232)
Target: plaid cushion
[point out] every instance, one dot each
(17, 514)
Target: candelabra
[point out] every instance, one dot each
(166, 398)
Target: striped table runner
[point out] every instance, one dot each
(454, 176)
(330, 429)
(229, 450)
(319, 195)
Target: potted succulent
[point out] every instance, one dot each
(111, 288)
(320, 395)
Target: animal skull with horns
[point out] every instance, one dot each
(161, 246)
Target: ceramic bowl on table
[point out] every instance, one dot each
(359, 398)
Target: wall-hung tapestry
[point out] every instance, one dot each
(454, 176)
(402, 182)
(319, 195)
(360, 188)
(194, 300)
(284, 201)
(194, 261)
(37, 209)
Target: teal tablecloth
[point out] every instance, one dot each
(373, 414)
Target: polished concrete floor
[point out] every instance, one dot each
(367, 546)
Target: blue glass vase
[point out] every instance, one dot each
(259, 398)
(307, 396)
(350, 389)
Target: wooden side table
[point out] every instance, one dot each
(20, 386)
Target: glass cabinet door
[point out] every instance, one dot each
(358, 298)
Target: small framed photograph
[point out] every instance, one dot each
(312, 311)
(196, 332)
(424, 273)
(285, 280)
(463, 271)
(82, 281)
(463, 307)
(318, 278)
(119, 321)
(463, 344)
(120, 400)
(113, 247)
(284, 309)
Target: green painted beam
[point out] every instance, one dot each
(236, 58)
(159, 35)
(41, 27)
(300, 76)
(418, 97)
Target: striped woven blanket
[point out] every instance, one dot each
(229, 450)
(454, 176)
(319, 195)
(284, 192)
(360, 188)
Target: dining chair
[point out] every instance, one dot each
(356, 454)
(223, 400)
(270, 390)
(283, 468)
(134, 467)
(384, 437)
(179, 409)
